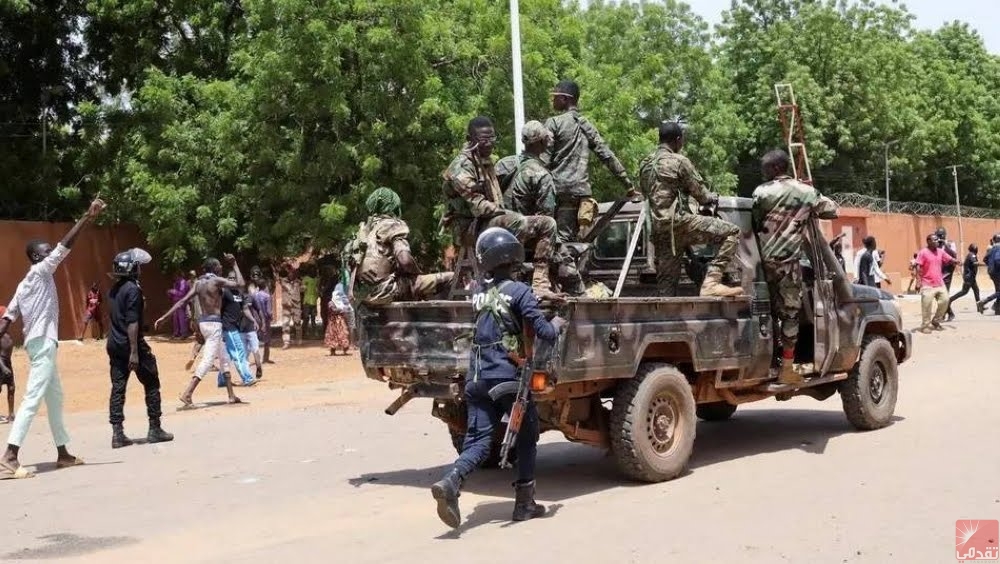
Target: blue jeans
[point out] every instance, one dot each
(237, 355)
(484, 416)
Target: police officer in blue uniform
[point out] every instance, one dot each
(128, 351)
(503, 309)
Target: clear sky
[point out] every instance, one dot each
(983, 15)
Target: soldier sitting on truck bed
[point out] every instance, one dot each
(475, 203)
(669, 181)
(781, 208)
(380, 259)
(504, 312)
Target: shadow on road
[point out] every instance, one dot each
(763, 431)
(570, 470)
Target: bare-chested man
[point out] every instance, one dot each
(208, 288)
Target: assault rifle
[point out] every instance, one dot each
(521, 388)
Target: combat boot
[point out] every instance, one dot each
(540, 282)
(789, 375)
(118, 438)
(446, 492)
(713, 286)
(156, 433)
(524, 502)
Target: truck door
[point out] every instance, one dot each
(824, 298)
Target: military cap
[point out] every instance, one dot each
(534, 131)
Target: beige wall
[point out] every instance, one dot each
(89, 262)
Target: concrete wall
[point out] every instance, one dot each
(88, 262)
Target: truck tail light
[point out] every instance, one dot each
(539, 381)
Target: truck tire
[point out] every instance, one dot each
(869, 393)
(653, 424)
(715, 411)
(493, 460)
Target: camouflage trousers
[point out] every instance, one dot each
(537, 232)
(784, 284)
(572, 213)
(688, 230)
(406, 288)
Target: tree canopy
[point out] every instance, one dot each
(262, 125)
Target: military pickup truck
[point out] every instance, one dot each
(634, 373)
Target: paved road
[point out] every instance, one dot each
(317, 473)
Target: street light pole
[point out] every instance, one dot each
(958, 207)
(886, 146)
(515, 45)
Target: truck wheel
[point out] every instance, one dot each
(653, 424)
(869, 393)
(715, 411)
(493, 460)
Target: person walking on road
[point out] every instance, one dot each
(128, 351)
(36, 302)
(933, 293)
(993, 268)
(970, 268)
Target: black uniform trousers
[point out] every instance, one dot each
(146, 372)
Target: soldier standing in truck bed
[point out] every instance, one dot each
(670, 183)
(573, 138)
(475, 203)
(781, 209)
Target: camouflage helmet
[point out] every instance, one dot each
(534, 131)
(497, 247)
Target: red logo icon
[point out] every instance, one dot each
(977, 540)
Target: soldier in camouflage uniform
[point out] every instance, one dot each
(781, 208)
(475, 203)
(670, 182)
(530, 190)
(573, 139)
(379, 257)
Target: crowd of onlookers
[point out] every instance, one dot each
(932, 270)
(314, 305)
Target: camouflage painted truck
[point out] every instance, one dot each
(633, 374)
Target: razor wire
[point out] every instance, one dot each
(876, 204)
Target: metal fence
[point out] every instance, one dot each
(876, 204)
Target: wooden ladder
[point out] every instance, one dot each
(464, 264)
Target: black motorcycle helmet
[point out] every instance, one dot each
(127, 263)
(498, 247)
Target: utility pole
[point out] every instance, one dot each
(886, 146)
(515, 45)
(958, 207)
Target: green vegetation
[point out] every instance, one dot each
(262, 124)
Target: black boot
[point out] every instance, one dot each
(118, 438)
(446, 492)
(156, 433)
(524, 502)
